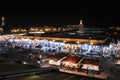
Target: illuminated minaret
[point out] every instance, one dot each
(81, 25)
(3, 21)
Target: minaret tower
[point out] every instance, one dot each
(3, 21)
(81, 25)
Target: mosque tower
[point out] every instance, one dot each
(3, 21)
(81, 25)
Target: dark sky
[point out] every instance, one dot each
(61, 13)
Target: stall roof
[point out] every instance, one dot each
(90, 61)
(73, 59)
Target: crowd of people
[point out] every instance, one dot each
(50, 47)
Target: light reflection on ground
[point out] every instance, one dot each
(33, 77)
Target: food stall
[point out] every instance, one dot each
(90, 65)
(70, 63)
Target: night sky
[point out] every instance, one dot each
(61, 13)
